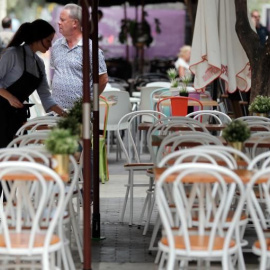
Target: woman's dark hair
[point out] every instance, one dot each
(31, 32)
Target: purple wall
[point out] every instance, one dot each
(165, 44)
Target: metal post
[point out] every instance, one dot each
(86, 141)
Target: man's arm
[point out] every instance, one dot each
(103, 79)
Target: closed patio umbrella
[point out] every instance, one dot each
(216, 50)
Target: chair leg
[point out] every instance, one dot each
(154, 234)
(148, 200)
(76, 231)
(131, 199)
(126, 197)
(149, 216)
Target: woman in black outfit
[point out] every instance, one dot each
(22, 72)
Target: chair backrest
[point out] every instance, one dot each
(121, 107)
(185, 139)
(259, 208)
(103, 115)
(38, 125)
(24, 186)
(132, 120)
(178, 105)
(154, 92)
(34, 138)
(230, 152)
(167, 125)
(212, 116)
(198, 155)
(25, 154)
(257, 138)
(261, 161)
(252, 118)
(209, 200)
(145, 97)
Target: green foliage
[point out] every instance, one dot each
(76, 110)
(174, 83)
(236, 131)
(61, 141)
(171, 72)
(186, 79)
(71, 123)
(261, 104)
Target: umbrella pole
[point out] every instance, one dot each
(86, 141)
(96, 208)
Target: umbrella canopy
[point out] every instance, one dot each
(216, 50)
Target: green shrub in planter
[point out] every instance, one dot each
(61, 141)
(236, 131)
(71, 123)
(260, 104)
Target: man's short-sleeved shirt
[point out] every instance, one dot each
(67, 83)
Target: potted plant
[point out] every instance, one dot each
(71, 123)
(260, 106)
(183, 87)
(174, 83)
(236, 133)
(73, 119)
(61, 143)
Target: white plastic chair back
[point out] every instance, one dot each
(121, 107)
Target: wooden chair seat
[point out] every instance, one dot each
(228, 219)
(21, 240)
(258, 245)
(198, 242)
(138, 165)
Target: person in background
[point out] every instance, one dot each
(6, 34)
(21, 73)
(66, 59)
(261, 30)
(182, 63)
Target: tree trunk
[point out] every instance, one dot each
(258, 55)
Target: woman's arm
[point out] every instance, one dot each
(181, 71)
(13, 101)
(103, 80)
(57, 109)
